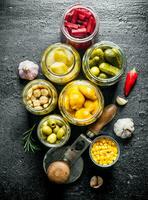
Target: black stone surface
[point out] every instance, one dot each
(27, 27)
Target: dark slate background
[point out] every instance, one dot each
(27, 27)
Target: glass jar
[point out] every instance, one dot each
(39, 97)
(79, 43)
(87, 60)
(77, 103)
(64, 123)
(60, 63)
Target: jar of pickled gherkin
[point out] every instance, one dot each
(40, 97)
(60, 63)
(81, 102)
(104, 63)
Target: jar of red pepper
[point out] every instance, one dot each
(79, 27)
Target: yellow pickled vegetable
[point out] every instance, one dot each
(104, 151)
(83, 113)
(88, 92)
(59, 68)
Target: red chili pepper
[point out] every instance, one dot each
(131, 78)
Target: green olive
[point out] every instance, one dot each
(52, 138)
(109, 69)
(55, 130)
(61, 132)
(52, 123)
(102, 75)
(59, 123)
(46, 130)
(97, 52)
(95, 71)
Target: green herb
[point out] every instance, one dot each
(29, 142)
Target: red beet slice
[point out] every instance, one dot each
(71, 25)
(81, 32)
(75, 16)
(91, 25)
(81, 17)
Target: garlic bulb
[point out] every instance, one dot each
(28, 70)
(124, 127)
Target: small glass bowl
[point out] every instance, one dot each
(74, 69)
(59, 118)
(110, 138)
(70, 117)
(43, 84)
(79, 43)
(97, 80)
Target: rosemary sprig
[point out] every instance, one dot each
(28, 141)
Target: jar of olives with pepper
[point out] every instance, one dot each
(81, 102)
(40, 97)
(60, 63)
(104, 63)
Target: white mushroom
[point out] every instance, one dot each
(43, 100)
(44, 92)
(36, 103)
(124, 127)
(37, 93)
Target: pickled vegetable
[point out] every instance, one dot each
(113, 57)
(53, 131)
(109, 69)
(59, 68)
(97, 52)
(102, 75)
(46, 130)
(95, 71)
(88, 92)
(83, 113)
(94, 61)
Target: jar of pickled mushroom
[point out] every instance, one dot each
(81, 102)
(40, 97)
(104, 63)
(60, 63)
(79, 26)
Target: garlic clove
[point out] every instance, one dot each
(121, 101)
(96, 182)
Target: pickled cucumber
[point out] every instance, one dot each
(109, 69)
(97, 52)
(113, 57)
(94, 61)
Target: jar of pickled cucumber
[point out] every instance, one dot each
(60, 63)
(81, 102)
(40, 97)
(104, 63)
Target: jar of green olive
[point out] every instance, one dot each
(60, 63)
(40, 97)
(104, 63)
(53, 131)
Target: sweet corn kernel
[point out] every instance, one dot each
(104, 151)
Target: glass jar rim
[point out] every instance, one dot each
(108, 43)
(36, 82)
(80, 40)
(99, 95)
(68, 48)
